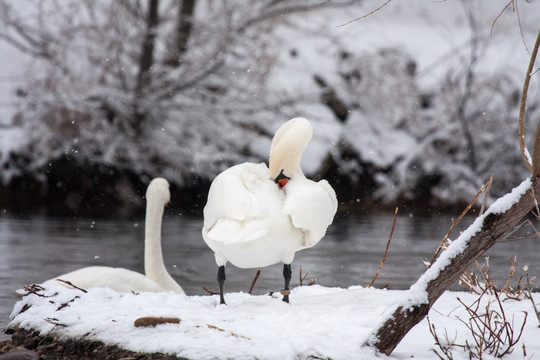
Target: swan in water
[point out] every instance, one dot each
(257, 216)
(157, 277)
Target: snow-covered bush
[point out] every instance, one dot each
(122, 91)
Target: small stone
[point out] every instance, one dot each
(153, 321)
(20, 355)
(31, 343)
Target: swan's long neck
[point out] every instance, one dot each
(154, 267)
(288, 144)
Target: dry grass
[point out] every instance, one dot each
(490, 331)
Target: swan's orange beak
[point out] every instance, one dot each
(281, 180)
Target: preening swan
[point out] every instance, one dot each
(157, 277)
(257, 216)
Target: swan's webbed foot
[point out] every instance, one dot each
(287, 274)
(221, 280)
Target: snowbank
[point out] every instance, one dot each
(320, 322)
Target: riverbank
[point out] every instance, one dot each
(61, 320)
(34, 346)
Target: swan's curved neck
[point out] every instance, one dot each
(288, 144)
(154, 267)
(153, 258)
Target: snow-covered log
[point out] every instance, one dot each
(476, 240)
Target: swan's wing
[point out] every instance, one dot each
(118, 279)
(230, 196)
(311, 206)
(239, 203)
(235, 231)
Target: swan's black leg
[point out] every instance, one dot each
(287, 274)
(221, 280)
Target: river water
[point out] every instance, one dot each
(35, 249)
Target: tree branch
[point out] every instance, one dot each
(523, 104)
(276, 12)
(472, 243)
(366, 15)
(184, 26)
(386, 250)
(146, 58)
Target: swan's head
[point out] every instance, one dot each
(158, 190)
(288, 144)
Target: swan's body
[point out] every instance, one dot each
(118, 279)
(157, 277)
(257, 216)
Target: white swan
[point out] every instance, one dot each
(157, 277)
(257, 216)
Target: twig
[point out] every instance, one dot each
(486, 275)
(522, 108)
(491, 330)
(454, 224)
(520, 27)
(366, 15)
(529, 295)
(223, 330)
(498, 16)
(54, 321)
(508, 237)
(66, 304)
(447, 347)
(537, 215)
(34, 289)
(69, 283)
(511, 273)
(386, 250)
(516, 9)
(209, 291)
(486, 195)
(257, 274)
(302, 278)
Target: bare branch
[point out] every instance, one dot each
(146, 58)
(490, 182)
(454, 224)
(498, 16)
(366, 15)
(386, 250)
(520, 26)
(209, 291)
(184, 26)
(276, 12)
(483, 235)
(516, 10)
(522, 108)
(257, 274)
(529, 295)
(69, 283)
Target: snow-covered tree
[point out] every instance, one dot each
(121, 91)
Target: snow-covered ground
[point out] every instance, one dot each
(320, 321)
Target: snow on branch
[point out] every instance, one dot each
(472, 243)
(484, 232)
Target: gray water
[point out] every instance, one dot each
(35, 249)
